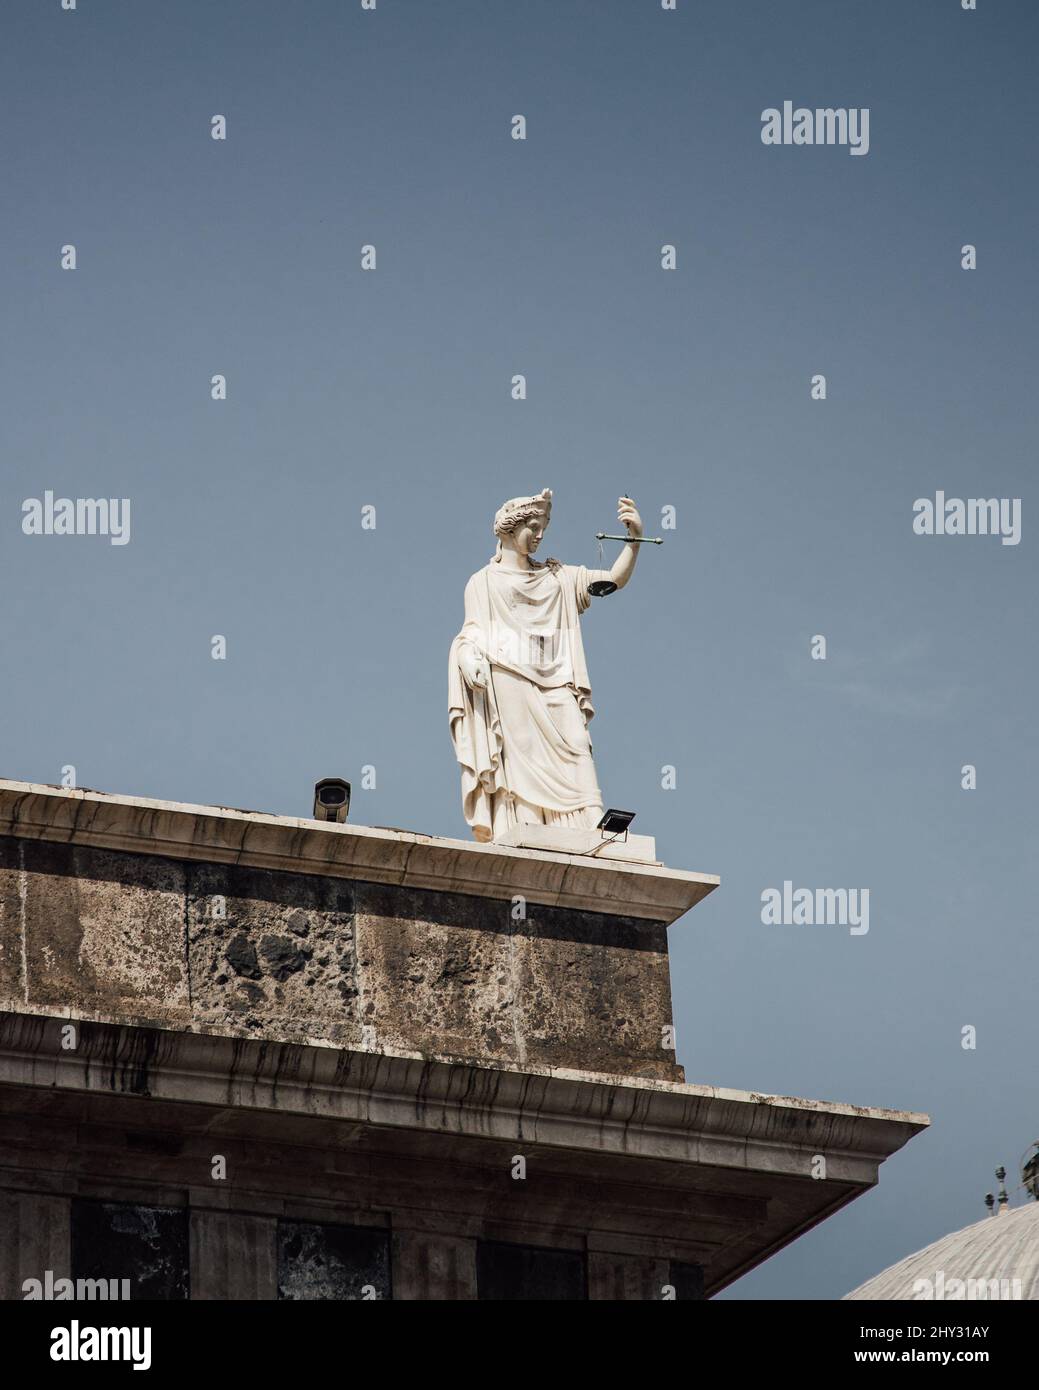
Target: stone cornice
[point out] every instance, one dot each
(251, 838)
(636, 1118)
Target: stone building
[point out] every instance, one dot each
(246, 1056)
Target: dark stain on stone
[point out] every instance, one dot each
(241, 955)
(492, 915)
(146, 1245)
(281, 956)
(129, 1053)
(298, 922)
(332, 1262)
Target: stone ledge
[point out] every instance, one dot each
(218, 834)
(637, 1117)
(712, 1176)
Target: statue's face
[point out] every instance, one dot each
(527, 536)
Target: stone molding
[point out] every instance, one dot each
(220, 834)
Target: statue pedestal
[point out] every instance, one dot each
(591, 844)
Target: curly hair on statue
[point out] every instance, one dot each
(520, 509)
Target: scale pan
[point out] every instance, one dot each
(599, 588)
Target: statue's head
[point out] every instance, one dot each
(522, 521)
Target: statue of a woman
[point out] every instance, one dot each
(519, 697)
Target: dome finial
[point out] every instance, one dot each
(1004, 1200)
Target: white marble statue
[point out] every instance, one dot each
(519, 697)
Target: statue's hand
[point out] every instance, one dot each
(629, 514)
(475, 669)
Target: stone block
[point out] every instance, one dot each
(104, 932)
(273, 953)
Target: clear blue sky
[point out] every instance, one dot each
(689, 389)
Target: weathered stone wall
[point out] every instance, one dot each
(293, 957)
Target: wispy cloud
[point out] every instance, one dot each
(901, 680)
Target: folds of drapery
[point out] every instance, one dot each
(477, 738)
(475, 722)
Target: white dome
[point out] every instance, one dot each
(1001, 1248)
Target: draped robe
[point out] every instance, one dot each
(522, 741)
